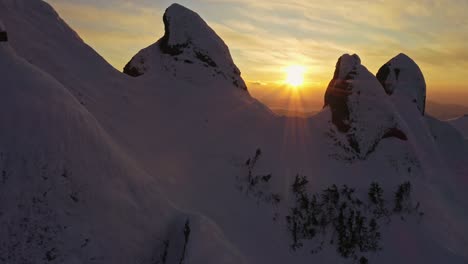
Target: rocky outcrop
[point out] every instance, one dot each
(3, 33)
(360, 109)
(401, 75)
(189, 49)
(340, 88)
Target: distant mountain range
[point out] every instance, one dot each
(438, 110)
(294, 113)
(446, 111)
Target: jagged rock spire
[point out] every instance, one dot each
(360, 108)
(188, 44)
(401, 75)
(340, 88)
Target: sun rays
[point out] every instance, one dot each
(295, 76)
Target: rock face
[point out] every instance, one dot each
(3, 33)
(340, 88)
(360, 108)
(188, 42)
(401, 75)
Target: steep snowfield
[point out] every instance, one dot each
(58, 203)
(59, 51)
(68, 193)
(179, 135)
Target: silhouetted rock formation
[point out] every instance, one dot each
(402, 75)
(132, 70)
(340, 88)
(188, 43)
(360, 108)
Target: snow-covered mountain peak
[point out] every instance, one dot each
(345, 64)
(183, 27)
(401, 76)
(189, 49)
(360, 108)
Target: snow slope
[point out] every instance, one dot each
(59, 203)
(461, 124)
(54, 201)
(177, 136)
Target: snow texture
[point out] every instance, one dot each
(100, 167)
(401, 75)
(360, 109)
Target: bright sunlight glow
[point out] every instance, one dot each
(295, 75)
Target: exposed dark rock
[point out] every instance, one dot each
(205, 58)
(401, 74)
(337, 94)
(164, 43)
(257, 185)
(395, 133)
(132, 71)
(397, 73)
(382, 76)
(51, 254)
(3, 36)
(172, 50)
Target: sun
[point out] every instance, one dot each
(295, 75)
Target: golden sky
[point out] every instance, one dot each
(267, 36)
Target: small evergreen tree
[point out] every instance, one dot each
(377, 202)
(351, 224)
